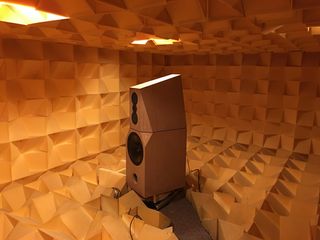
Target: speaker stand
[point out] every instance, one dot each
(157, 202)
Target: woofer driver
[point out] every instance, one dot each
(135, 148)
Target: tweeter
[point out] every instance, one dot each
(134, 102)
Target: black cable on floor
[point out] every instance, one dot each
(130, 226)
(198, 175)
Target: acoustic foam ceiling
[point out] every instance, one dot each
(216, 26)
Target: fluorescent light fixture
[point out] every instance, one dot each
(140, 42)
(156, 41)
(21, 14)
(159, 41)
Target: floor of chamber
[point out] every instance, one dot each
(185, 221)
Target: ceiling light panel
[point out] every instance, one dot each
(21, 14)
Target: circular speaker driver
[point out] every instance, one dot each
(135, 148)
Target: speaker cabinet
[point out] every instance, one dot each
(156, 161)
(156, 143)
(158, 105)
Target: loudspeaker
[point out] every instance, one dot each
(156, 161)
(156, 143)
(158, 105)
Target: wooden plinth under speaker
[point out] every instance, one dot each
(156, 143)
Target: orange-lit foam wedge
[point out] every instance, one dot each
(20, 14)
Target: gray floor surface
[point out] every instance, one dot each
(186, 224)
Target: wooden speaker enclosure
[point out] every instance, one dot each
(162, 168)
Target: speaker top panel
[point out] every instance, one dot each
(157, 105)
(155, 81)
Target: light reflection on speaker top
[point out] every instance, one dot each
(155, 81)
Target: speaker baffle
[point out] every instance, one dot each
(135, 148)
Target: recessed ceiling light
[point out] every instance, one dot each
(140, 42)
(156, 41)
(314, 30)
(21, 14)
